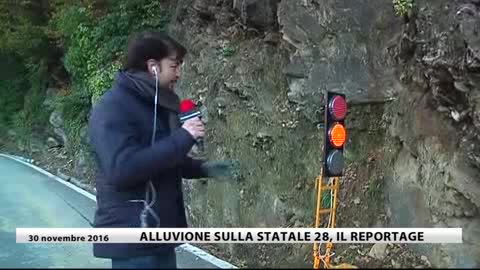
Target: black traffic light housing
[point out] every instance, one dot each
(335, 134)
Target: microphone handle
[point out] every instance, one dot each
(200, 145)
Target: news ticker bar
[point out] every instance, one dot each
(239, 235)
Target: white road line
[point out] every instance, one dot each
(186, 247)
(207, 257)
(68, 184)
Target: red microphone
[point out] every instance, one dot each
(187, 105)
(188, 110)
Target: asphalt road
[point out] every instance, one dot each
(30, 199)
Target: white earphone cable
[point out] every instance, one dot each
(150, 187)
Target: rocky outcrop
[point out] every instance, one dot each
(52, 142)
(81, 167)
(261, 14)
(264, 98)
(437, 165)
(56, 121)
(211, 10)
(338, 47)
(430, 65)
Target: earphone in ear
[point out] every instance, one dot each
(154, 68)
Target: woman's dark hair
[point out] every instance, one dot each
(151, 45)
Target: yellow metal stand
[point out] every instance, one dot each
(333, 186)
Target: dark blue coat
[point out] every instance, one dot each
(120, 130)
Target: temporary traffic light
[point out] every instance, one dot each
(335, 134)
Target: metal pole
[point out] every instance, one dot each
(316, 249)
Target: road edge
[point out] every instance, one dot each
(185, 247)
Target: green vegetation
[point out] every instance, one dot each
(326, 199)
(403, 7)
(228, 51)
(73, 47)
